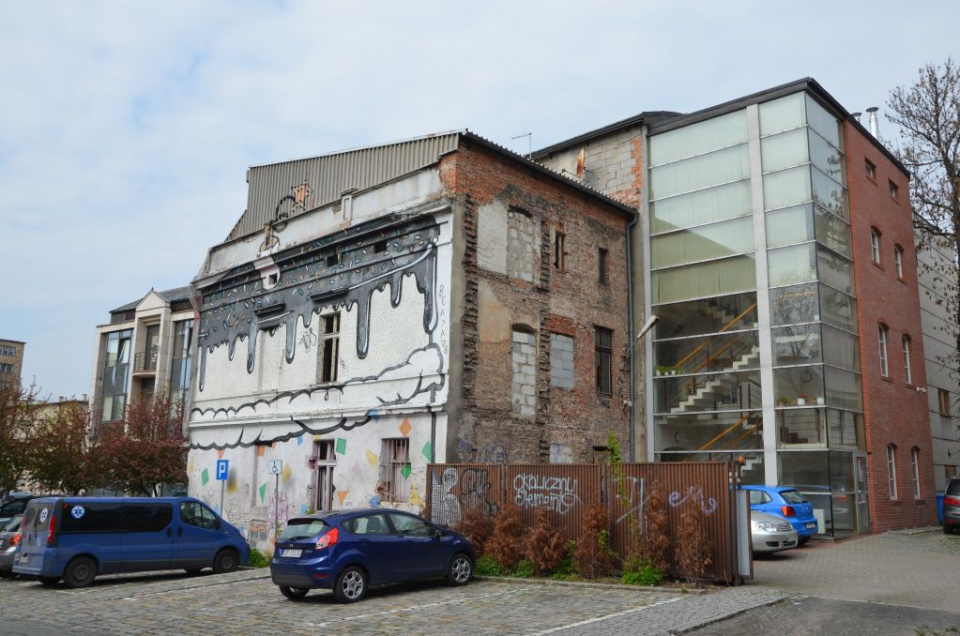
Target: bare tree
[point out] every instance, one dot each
(928, 114)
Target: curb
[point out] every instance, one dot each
(609, 586)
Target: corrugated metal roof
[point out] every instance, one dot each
(293, 187)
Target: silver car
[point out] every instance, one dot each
(951, 506)
(8, 546)
(771, 533)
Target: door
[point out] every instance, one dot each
(197, 537)
(378, 545)
(861, 473)
(148, 536)
(423, 552)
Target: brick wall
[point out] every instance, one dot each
(493, 196)
(895, 410)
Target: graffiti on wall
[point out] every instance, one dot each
(557, 494)
(475, 491)
(695, 495)
(446, 506)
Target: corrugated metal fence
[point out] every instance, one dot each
(567, 491)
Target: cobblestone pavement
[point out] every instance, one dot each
(912, 569)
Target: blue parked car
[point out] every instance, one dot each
(349, 551)
(77, 538)
(786, 502)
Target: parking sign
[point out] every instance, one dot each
(222, 469)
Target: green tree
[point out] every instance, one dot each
(146, 450)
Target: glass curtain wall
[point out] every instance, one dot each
(706, 385)
(115, 375)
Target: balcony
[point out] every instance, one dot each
(145, 363)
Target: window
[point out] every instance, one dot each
(410, 526)
(915, 470)
(372, 524)
(892, 470)
(602, 265)
(604, 357)
(182, 348)
(894, 190)
(875, 245)
(943, 402)
(147, 517)
(193, 514)
(92, 517)
(116, 364)
(871, 169)
(329, 347)
(898, 259)
(907, 372)
(395, 469)
(6, 367)
(559, 255)
(884, 367)
(7, 351)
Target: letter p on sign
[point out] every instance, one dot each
(222, 469)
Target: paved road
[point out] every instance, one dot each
(918, 570)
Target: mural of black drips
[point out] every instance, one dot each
(339, 271)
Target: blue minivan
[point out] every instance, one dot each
(77, 538)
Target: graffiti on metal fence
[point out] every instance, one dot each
(475, 491)
(695, 495)
(446, 508)
(559, 494)
(634, 500)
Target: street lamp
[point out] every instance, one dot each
(647, 326)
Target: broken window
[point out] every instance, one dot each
(395, 469)
(329, 347)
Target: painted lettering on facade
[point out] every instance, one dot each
(558, 494)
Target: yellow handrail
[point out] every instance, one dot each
(730, 428)
(725, 327)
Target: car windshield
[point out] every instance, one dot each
(303, 529)
(792, 496)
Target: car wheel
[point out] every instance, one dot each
(351, 585)
(48, 581)
(294, 593)
(226, 561)
(80, 572)
(461, 569)
(802, 540)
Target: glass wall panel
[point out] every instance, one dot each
(707, 392)
(789, 187)
(835, 271)
(798, 386)
(732, 430)
(788, 265)
(719, 132)
(716, 168)
(709, 315)
(829, 195)
(838, 309)
(714, 353)
(843, 493)
(699, 208)
(841, 349)
(785, 150)
(717, 278)
(702, 243)
(831, 231)
(799, 344)
(782, 114)
(826, 157)
(842, 429)
(801, 426)
(843, 389)
(792, 305)
(823, 122)
(790, 225)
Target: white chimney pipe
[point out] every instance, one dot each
(856, 116)
(874, 124)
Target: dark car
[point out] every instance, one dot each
(9, 542)
(786, 502)
(951, 506)
(349, 551)
(15, 505)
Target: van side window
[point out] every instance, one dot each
(146, 517)
(91, 517)
(193, 514)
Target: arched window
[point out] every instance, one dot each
(882, 338)
(892, 469)
(915, 470)
(875, 244)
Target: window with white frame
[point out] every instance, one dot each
(892, 470)
(882, 336)
(395, 469)
(915, 469)
(875, 244)
(898, 260)
(329, 347)
(907, 371)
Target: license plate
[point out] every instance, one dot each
(290, 553)
(812, 525)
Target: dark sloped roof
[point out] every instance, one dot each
(174, 295)
(646, 117)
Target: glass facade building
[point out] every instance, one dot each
(751, 273)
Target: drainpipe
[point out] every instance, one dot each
(632, 431)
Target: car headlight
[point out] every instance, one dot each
(764, 526)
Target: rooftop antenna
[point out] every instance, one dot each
(529, 137)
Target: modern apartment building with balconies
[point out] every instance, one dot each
(145, 349)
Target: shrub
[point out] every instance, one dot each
(258, 559)
(692, 552)
(544, 546)
(567, 569)
(524, 569)
(504, 542)
(477, 527)
(487, 566)
(593, 556)
(655, 533)
(638, 571)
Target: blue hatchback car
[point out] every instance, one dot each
(349, 551)
(786, 502)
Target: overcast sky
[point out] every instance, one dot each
(126, 127)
